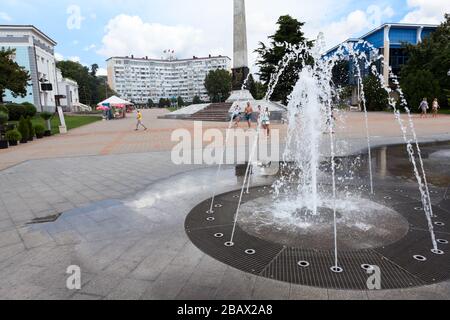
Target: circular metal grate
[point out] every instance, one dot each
(406, 263)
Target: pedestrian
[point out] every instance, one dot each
(435, 108)
(236, 116)
(265, 120)
(139, 121)
(424, 107)
(248, 114)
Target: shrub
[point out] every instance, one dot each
(23, 128)
(46, 115)
(13, 135)
(39, 129)
(30, 128)
(16, 111)
(4, 109)
(30, 109)
(377, 98)
(3, 118)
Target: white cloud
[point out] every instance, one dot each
(74, 59)
(59, 56)
(90, 47)
(427, 11)
(4, 16)
(126, 35)
(356, 22)
(209, 30)
(102, 72)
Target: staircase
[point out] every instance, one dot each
(217, 112)
(79, 107)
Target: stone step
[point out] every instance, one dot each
(215, 112)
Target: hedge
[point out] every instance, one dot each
(20, 110)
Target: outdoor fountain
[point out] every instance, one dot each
(324, 221)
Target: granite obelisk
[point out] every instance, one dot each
(240, 57)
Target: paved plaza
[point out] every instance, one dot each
(123, 205)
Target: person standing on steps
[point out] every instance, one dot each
(236, 116)
(139, 121)
(248, 114)
(265, 120)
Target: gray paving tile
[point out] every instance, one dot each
(307, 293)
(101, 285)
(266, 289)
(129, 289)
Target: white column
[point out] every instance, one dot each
(240, 35)
(419, 35)
(386, 54)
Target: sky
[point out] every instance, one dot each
(90, 31)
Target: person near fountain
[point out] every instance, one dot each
(248, 114)
(424, 107)
(236, 116)
(435, 108)
(265, 120)
(139, 121)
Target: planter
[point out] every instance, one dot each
(3, 144)
(39, 136)
(13, 143)
(47, 133)
(23, 141)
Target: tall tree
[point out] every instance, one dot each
(429, 59)
(287, 38)
(256, 88)
(12, 76)
(91, 87)
(94, 69)
(218, 84)
(377, 98)
(197, 100)
(180, 102)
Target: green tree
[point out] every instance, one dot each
(150, 103)
(340, 73)
(256, 88)
(180, 102)
(218, 85)
(197, 100)
(376, 96)
(94, 69)
(287, 38)
(24, 129)
(164, 103)
(91, 88)
(102, 93)
(12, 76)
(420, 84)
(429, 59)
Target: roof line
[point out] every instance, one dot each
(175, 60)
(29, 26)
(411, 25)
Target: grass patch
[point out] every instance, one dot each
(172, 109)
(72, 122)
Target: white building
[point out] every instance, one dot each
(34, 52)
(69, 89)
(141, 79)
